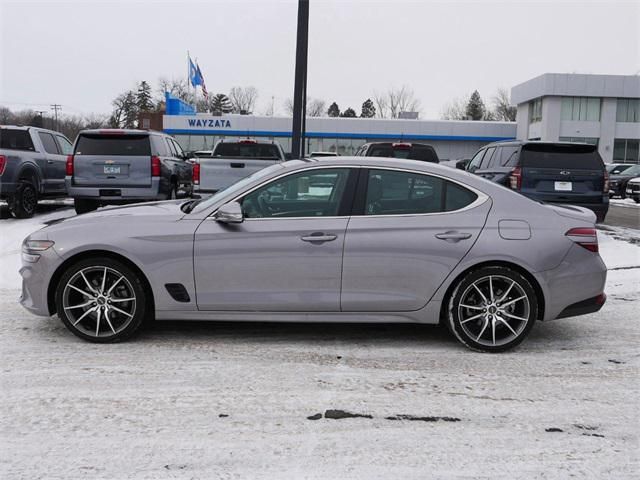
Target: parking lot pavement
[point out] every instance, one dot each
(623, 213)
(224, 400)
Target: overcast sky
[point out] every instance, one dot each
(82, 54)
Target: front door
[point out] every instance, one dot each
(414, 230)
(286, 255)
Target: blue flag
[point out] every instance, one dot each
(195, 77)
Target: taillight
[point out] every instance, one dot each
(401, 146)
(606, 182)
(248, 141)
(515, 179)
(155, 166)
(586, 237)
(3, 163)
(196, 174)
(69, 167)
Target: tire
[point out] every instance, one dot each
(636, 199)
(91, 315)
(84, 206)
(25, 200)
(493, 323)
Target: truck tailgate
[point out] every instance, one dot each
(219, 173)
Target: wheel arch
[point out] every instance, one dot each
(53, 282)
(494, 263)
(30, 172)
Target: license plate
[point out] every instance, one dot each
(563, 186)
(111, 170)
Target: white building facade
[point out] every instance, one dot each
(599, 109)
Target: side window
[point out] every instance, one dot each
(457, 197)
(509, 156)
(475, 161)
(48, 143)
(160, 145)
(391, 192)
(171, 146)
(65, 145)
(487, 158)
(314, 193)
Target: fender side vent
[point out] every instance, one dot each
(178, 292)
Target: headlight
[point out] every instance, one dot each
(36, 245)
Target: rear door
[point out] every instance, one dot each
(561, 173)
(55, 166)
(112, 160)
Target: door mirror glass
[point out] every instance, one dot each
(229, 213)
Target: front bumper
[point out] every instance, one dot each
(115, 194)
(35, 282)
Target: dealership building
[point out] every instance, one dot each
(599, 109)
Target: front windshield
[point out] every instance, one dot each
(236, 187)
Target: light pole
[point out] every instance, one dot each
(300, 86)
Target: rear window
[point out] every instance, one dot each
(561, 156)
(248, 150)
(113, 145)
(414, 152)
(15, 140)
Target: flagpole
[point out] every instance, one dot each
(188, 72)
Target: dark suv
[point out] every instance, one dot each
(123, 166)
(571, 173)
(411, 151)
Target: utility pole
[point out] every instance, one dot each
(55, 107)
(300, 87)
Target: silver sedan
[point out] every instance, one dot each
(332, 240)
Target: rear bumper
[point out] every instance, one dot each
(590, 305)
(115, 194)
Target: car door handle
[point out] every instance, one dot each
(318, 237)
(49, 161)
(453, 236)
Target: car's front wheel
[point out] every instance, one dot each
(492, 309)
(101, 300)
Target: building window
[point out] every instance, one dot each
(628, 110)
(626, 150)
(535, 110)
(589, 140)
(580, 109)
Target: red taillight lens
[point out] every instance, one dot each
(586, 237)
(3, 163)
(248, 141)
(155, 166)
(196, 174)
(606, 182)
(69, 168)
(401, 146)
(515, 179)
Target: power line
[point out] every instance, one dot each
(55, 107)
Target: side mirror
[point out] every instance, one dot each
(229, 213)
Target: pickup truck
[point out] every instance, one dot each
(32, 166)
(232, 161)
(114, 167)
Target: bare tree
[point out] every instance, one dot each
(503, 108)
(315, 107)
(243, 99)
(456, 109)
(389, 104)
(177, 88)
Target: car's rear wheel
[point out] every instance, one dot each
(84, 206)
(101, 300)
(25, 200)
(492, 309)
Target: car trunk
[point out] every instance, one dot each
(112, 160)
(562, 173)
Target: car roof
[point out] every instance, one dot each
(28, 127)
(400, 141)
(119, 131)
(531, 142)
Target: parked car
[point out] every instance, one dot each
(564, 173)
(353, 239)
(618, 181)
(32, 165)
(411, 151)
(617, 168)
(110, 167)
(232, 161)
(633, 189)
(323, 154)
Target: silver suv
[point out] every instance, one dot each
(124, 166)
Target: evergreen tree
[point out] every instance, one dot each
(334, 110)
(475, 108)
(368, 109)
(143, 97)
(221, 103)
(130, 110)
(349, 113)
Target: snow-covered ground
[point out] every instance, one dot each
(625, 202)
(202, 401)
